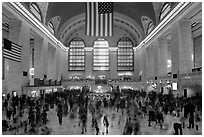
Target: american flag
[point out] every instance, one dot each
(99, 18)
(12, 51)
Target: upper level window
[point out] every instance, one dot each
(147, 24)
(5, 27)
(196, 30)
(36, 11)
(101, 55)
(125, 54)
(51, 27)
(165, 10)
(76, 55)
(150, 27)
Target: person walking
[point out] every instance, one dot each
(191, 118)
(151, 115)
(177, 125)
(59, 113)
(128, 130)
(44, 117)
(197, 119)
(84, 120)
(95, 123)
(106, 123)
(160, 118)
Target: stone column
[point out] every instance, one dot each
(143, 56)
(32, 62)
(51, 62)
(162, 56)
(45, 57)
(58, 63)
(150, 61)
(13, 69)
(14, 31)
(89, 61)
(156, 58)
(25, 53)
(38, 57)
(185, 46)
(113, 62)
(64, 57)
(175, 49)
(136, 73)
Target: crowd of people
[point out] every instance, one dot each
(134, 105)
(25, 112)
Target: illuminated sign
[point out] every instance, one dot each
(125, 73)
(174, 86)
(31, 71)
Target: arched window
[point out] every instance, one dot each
(51, 27)
(196, 31)
(76, 55)
(147, 24)
(36, 11)
(5, 27)
(125, 54)
(150, 27)
(101, 55)
(165, 10)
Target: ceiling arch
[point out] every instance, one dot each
(120, 20)
(127, 17)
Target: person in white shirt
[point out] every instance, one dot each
(177, 125)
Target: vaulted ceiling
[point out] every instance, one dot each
(68, 18)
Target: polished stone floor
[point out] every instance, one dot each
(70, 126)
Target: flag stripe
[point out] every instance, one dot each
(12, 51)
(17, 46)
(10, 58)
(110, 24)
(99, 18)
(101, 24)
(87, 17)
(17, 53)
(7, 55)
(106, 25)
(16, 50)
(92, 18)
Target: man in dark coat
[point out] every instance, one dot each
(59, 113)
(106, 123)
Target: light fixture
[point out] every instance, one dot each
(31, 71)
(169, 63)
